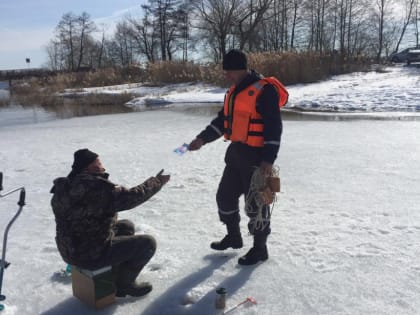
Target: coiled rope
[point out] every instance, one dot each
(255, 206)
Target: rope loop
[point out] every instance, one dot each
(259, 198)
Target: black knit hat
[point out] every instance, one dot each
(235, 60)
(82, 159)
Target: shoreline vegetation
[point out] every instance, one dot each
(48, 92)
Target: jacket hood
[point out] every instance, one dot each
(65, 183)
(60, 183)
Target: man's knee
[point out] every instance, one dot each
(226, 201)
(231, 217)
(145, 247)
(150, 246)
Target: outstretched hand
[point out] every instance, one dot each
(196, 144)
(163, 178)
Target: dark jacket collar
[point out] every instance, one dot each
(73, 174)
(250, 78)
(61, 181)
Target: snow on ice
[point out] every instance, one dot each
(346, 226)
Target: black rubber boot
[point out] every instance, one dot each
(257, 253)
(229, 241)
(126, 285)
(232, 240)
(134, 289)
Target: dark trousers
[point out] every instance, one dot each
(128, 253)
(241, 162)
(124, 228)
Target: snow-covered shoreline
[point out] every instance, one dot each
(390, 94)
(393, 89)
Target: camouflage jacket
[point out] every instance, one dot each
(85, 210)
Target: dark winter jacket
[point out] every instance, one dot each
(267, 107)
(85, 209)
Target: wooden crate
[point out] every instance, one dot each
(96, 288)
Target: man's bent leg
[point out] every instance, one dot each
(129, 255)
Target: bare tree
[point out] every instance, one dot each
(66, 30)
(296, 4)
(343, 7)
(416, 22)
(320, 25)
(163, 13)
(250, 16)
(72, 41)
(381, 6)
(323, 18)
(278, 26)
(356, 31)
(273, 28)
(85, 28)
(410, 6)
(182, 21)
(123, 44)
(145, 35)
(55, 55)
(217, 19)
(101, 49)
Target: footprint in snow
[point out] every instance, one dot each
(51, 249)
(400, 227)
(155, 267)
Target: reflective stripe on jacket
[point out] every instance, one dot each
(242, 121)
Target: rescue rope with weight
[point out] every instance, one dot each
(262, 193)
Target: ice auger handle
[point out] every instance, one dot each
(22, 195)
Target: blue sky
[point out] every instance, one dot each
(26, 26)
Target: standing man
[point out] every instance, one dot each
(251, 120)
(88, 235)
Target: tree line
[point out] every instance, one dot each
(203, 30)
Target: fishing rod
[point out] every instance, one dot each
(3, 263)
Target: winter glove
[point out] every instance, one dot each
(196, 144)
(162, 178)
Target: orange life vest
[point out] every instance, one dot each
(242, 121)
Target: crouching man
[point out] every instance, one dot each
(88, 234)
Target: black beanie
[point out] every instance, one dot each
(235, 60)
(82, 159)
